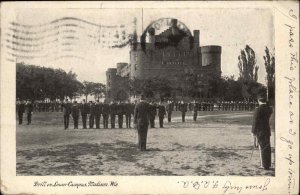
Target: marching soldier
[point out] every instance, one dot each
(75, 114)
(152, 114)
(98, 111)
(183, 109)
(141, 121)
(169, 111)
(21, 110)
(112, 111)
(84, 109)
(92, 115)
(127, 108)
(105, 114)
(29, 109)
(261, 130)
(66, 111)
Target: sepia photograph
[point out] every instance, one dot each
(125, 90)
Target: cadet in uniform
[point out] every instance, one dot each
(66, 111)
(261, 130)
(127, 109)
(141, 120)
(84, 109)
(169, 111)
(105, 114)
(132, 106)
(92, 115)
(112, 111)
(183, 109)
(75, 114)
(195, 110)
(21, 111)
(98, 111)
(120, 112)
(152, 114)
(29, 109)
(161, 114)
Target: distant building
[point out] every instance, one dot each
(167, 55)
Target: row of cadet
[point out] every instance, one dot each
(93, 111)
(56, 106)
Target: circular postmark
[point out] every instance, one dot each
(167, 31)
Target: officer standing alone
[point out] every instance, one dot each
(261, 130)
(141, 121)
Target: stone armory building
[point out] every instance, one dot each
(169, 54)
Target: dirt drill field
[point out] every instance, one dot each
(218, 144)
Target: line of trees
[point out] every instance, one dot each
(248, 72)
(40, 83)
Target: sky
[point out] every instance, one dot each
(230, 28)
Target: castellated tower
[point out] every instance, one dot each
(116, 88)
(211, 58)
(111, 75)
(171, 54)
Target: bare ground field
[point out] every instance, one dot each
(219, 143)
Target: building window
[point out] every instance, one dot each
(108, 76)
(135, 67)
